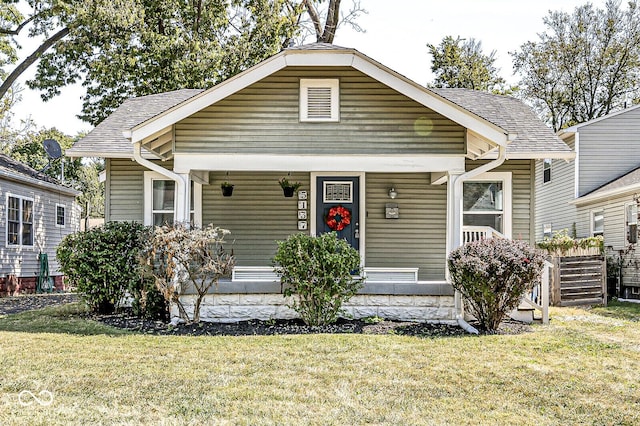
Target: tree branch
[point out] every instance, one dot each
(27, 62)
(333, 18)
(315, 18)
(19, 28)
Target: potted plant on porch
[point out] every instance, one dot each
(227, 189)
(288, 188)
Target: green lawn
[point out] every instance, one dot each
(583, 369)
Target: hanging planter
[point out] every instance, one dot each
(289, 188)
(227, 189)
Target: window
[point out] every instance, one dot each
(597, 223)
(546, 170)
(160, 196)
(60, 215)
(487, 202)
(631, 223)
(319, 100)
(547, 230)
(19, 221)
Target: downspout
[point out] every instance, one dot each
(181, 184)
(502, 156)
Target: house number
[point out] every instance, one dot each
(302, 225)
(302, 195)
(302, 205)
(302, 214)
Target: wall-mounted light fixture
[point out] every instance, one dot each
(393, 193)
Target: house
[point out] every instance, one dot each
(36, 213)
(414, 167)
(597, 193)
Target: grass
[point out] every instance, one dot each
(583, 369)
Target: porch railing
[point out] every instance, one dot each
(539, 296)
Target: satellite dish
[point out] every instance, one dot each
(52, 148)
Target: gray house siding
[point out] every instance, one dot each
(124, 190)
(23, 261)
(264, 118)
(606, 149)
(553, 199)
(417, 238)
(614, 221)
(257, 214)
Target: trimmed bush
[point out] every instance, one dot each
(317, 271)
(103, 262)
(492, 275)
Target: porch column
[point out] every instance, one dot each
(183, 198)
(454, 212)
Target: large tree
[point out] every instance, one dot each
(585, 65)
(122, 48)
(457, 62)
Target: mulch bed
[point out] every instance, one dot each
(125, 320)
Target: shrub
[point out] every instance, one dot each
(492, 275)
(182, 259)
(317, 271)
(561, 243)
(103, 262)
(148, 302)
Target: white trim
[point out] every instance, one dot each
(33, 222)
(601, 196)
(507, 197)
(576, 166)
(64, 217)
(149, 177)
(334, 86)
(532, 155)
(183, 163)
(313, 220)
(333, 58)
(592, 213)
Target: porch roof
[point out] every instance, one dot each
(492, 120)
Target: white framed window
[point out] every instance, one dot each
(546, 170)
(319, 99)
(61, 211)
(160, 200)
(486, 201)
(597, 222)
(19, 230)
(631, 222)
(547, 230)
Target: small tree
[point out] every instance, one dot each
(317, 271)
(182, 259)
(493, 274)
(103, 262)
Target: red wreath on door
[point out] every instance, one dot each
(338, 218)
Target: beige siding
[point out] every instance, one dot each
(522, 184)
(257, 214)
(263, 118)
(553, 198)
(605, 148)
(23, 261)
(124, 190)
(614, 221)
(418, 237)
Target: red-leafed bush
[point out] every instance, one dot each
(493, 274)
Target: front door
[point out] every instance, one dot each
(338, 207)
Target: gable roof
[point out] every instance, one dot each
(11, 169)
(492, 118)
(627, 184)
(535, 139)
(106, 139)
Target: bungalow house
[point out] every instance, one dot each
(417, 170)
(36, 213)
(597, 193)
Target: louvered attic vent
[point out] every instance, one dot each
(319, 100)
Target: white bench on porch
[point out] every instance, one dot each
(373, 275)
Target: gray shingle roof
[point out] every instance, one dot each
(107, 136)
(10, 165)
(511, 115)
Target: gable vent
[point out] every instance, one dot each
(319, 102)
(319, 99)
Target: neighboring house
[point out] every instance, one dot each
(350, 130)
(36, 213)
(595, 194)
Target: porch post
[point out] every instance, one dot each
(183, 198)
(454, 213)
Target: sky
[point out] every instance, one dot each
(397, 33)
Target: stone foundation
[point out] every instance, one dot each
(243, 307)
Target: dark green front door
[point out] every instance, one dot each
(337, 207)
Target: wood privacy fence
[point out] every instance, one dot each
(579, 280)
